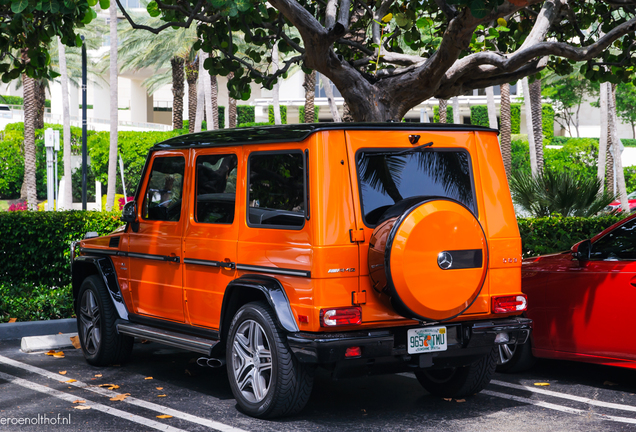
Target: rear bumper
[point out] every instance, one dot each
(385, 351)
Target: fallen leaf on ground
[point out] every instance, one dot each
(110, 386)
(82, 407)
(59, 354)
(161, 395)
(62, 372)
(448, 399)
(120, 397)
(79, 401)
(148, 378)
(50, 352)
(609, 383)
(159, 388)
(460, 400)
(542, 384)
(164, 416)
(187, 372)
(76, 342)
(98, 375)
(116, 365)
(144, 341)
(12, 320)
(71, 380)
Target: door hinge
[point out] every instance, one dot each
(356, 235)
(358, 298)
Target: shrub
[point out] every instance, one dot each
(38, 249)
(541, 236)
(283, 114)
(245, 114)
(253, 124)
(11, 165)
(630, 178)
(20, 206)
(301, 114)
(30, 302)
(479, 115)
(547, 118)
(449, 113)
(515, 118)
(628, 142)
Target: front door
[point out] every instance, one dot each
(156, 264)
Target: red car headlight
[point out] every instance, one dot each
(509, 304)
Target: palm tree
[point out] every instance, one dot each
(443, 111)
(231, 114)
(29, 137)
(309, 85)
(114, 110)
(533, 149)
(200, 96)
(276, 89)
(620, 175)
(505, 138)
(602, 145)
(456, 116)
(492, 112)
(67, 193)
(192, 75)
(537, 120)
(178, 75)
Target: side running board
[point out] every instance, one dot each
(167, 337)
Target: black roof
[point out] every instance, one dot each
(296, 132)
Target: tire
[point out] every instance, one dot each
(283, 385)
(460, 381)
(96, 317)
(515, 358)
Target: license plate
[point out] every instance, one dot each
(429, 339)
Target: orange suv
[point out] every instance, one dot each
(359, 248)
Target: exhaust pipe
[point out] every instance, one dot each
(211, 362)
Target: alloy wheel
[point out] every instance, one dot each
(252, 361)
(506, 352)
(90, 322)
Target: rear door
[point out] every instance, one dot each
(155, 249)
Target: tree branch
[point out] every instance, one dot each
(547, 15)
(449, 11)
(191, 17)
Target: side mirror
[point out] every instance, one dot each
(129, 215)
(582, 250)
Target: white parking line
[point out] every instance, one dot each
(129, 400)
(566, 396)
(556, 407)
(94, 405)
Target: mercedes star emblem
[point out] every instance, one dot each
(444, 260)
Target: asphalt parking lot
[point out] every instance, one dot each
(161, 381)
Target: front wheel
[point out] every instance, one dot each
(459, 381)
(266, 378)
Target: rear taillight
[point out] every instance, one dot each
(340, 316)
(509, 304)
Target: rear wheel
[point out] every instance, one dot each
(515, 358)
(96, 317)
(266, 378)
(460, 381)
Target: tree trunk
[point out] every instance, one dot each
(276, 89)
(443, 110)
(505, 138)
(114, 112)
(537, 120)
(231, 114)
(602, 145)
(40, 100)
(214, 89)
(609, 166)
(335, 115)
(67, 193)
(456, 117)
(533, 149)
(177, 64)
(492, 110)
(192, 74)
(200, 97)
(207, 94)
(310, 93)
(346, 113)
(28, 87)
(616, 146)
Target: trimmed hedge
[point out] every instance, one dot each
(515, 118)
(301, 114)
(479, 115)
(243, 125)
(449, 113)
(555, 234)
(36, 246)
(283, 114)
(245, 114)
(547, 122)
(28, 302)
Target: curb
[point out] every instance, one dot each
(32, 344)
(19, 330)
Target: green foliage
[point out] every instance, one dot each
(38, 249)
(301, 114)
(283, 114)
(551, 193)
(11, 100)
(626, 104)
(479, 115)
(578, 157)
(628, 142)
(449, 114)
(11, 165)
(31, 302)
(546, 235)
(515, 119)
(630, 178)
(547, 117)
(242, 125)
(245, 114)
(520, 156)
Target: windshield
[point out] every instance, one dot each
(386, 178)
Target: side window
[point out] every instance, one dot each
(215, 188)
(277, 195)
(620, 244)
(162, 200)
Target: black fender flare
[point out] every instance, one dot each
(273, 291)
(83, 266)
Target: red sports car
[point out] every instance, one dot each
(616, 205)
(581, 302)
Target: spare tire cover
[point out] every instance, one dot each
(432, 260)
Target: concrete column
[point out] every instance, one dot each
(56, 100)
(74, 100)
(138, 102)
(150, 109)
(101, 100)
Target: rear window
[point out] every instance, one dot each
(387, 177)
